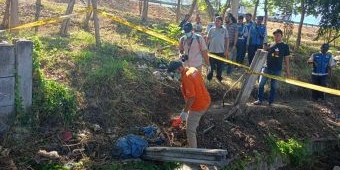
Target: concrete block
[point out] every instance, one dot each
(7, 92)
(7, 60)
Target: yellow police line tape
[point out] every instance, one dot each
(46, 21)
(174, 42)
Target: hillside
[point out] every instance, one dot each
(116, 91)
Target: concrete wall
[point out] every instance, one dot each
(15, 64)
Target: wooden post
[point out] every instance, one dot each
(216, 157)
(87, 18)
(63, 29)
(37, 13)
(96, 23)
(248, 85)
(178, 10)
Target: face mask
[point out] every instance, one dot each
(188, 35)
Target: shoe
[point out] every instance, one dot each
(257, 102)
(219, 79)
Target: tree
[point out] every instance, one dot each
(69, 10)
(193, 5)
(87, 17)
(255, 10)
(330, 20)
(37, 12)
(178, 10)
(14, 17)
(145, 10)
(5, 19)
(210, 10)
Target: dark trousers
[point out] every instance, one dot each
(321, 81)
(241, 51)
(252, 48)
(216, 64)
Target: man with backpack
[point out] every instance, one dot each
(193, 49)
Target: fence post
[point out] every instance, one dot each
(248, 85)
(23, 55)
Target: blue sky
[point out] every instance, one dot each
(295, 18)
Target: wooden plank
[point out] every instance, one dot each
(216, 157)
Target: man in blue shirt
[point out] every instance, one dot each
(322, 63)
(257, 38)
(277, 52)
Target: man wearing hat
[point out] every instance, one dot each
(193, 49)
(322, 63)
(277, 52)
(257, 38)
(196, 97)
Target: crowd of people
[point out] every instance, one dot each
(233, 39)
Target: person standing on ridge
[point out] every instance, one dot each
(242, 35)
(257, 38)
(322, 63)
(192, 49)
(231, 26)
(277, 52)
(218, 44)
(196, 96)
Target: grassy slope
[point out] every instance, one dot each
(110, 90)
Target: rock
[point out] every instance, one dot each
(336, 168)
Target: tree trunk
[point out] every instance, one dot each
(178, 10)
(37, 13)
(5, 20)
(255, 10)
(303, 11)
(193, 5)
(14, 17)
(69, 10)
(225, 7)
(140, 5)
(96, 23)
(210, 9)
(234, 7)
(265, 12)
(145, 10)
(87, 17)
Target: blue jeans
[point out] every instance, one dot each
(273, 84)
(321, 81)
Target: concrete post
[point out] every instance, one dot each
(7, 79)
(23, 53)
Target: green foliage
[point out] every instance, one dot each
(297, 152)
(50, 166)
(51, 100)
(143, 165)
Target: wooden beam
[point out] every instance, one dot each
(216, 157)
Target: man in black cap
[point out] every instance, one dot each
(193, 49)
(196, 97)
(322, 63)
(277, 52)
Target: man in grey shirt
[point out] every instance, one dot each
(218, 44)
